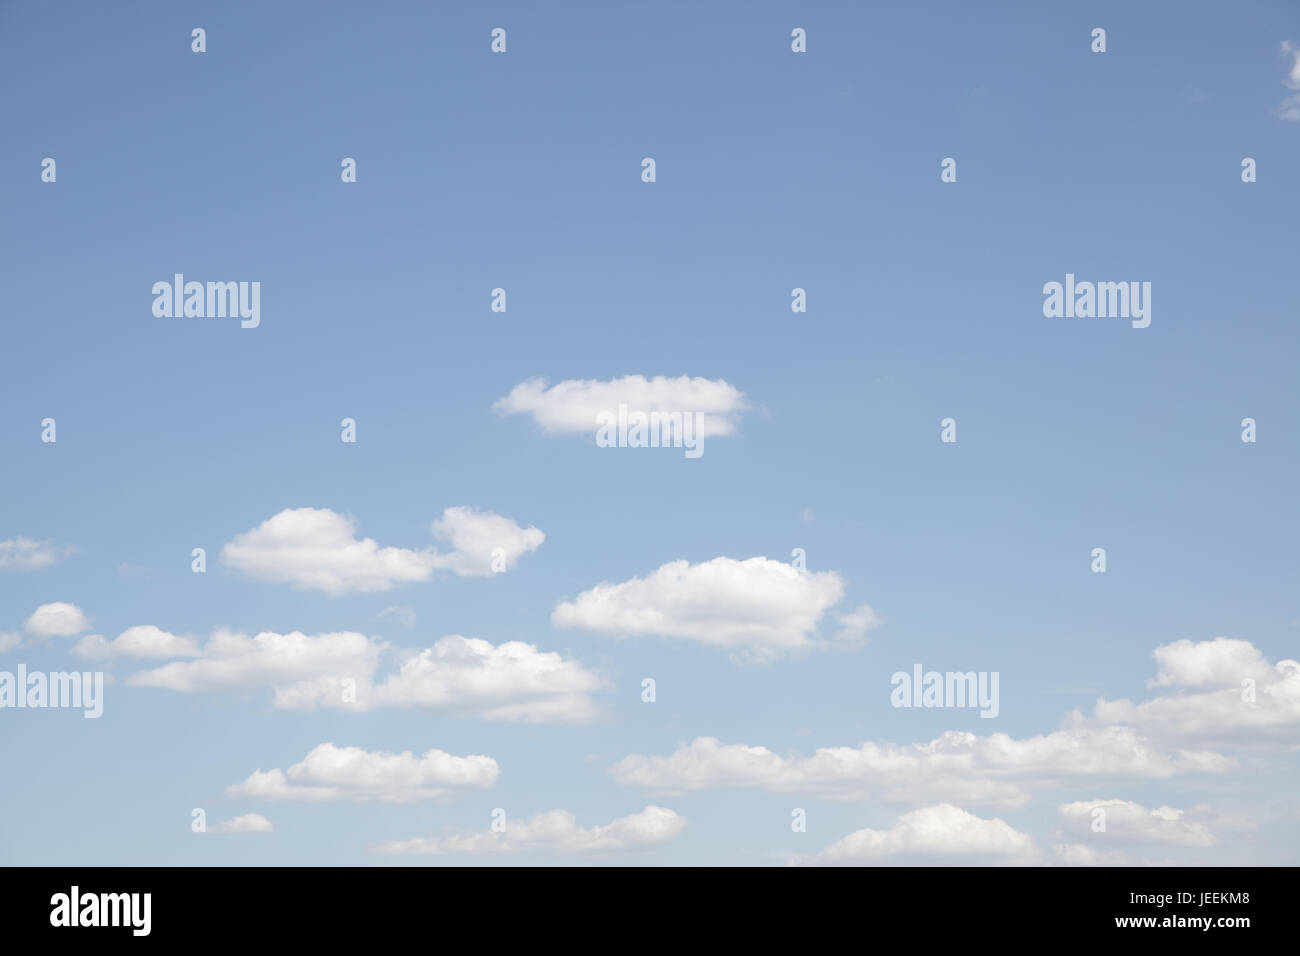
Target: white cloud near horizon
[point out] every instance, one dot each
(246, 823)
(556, 832)
(573, 406)
(1129, 823)
(996, 770)
(937, 835)
(332, 773)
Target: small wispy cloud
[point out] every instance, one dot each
(1290, 108)
(24, 554)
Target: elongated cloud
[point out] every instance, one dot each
(319, 549)
(463, 677)
(556, 832)
(942, 834)
(1112, 824)
(573, 406)
(330, 773)
(24, 554)
(510, 681)
(142, 641)
(290, 663)
(244, 824)
(997, 770)
(59, 619)
(758, 606)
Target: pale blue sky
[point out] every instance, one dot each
(522, 170)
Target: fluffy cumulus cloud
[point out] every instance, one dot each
(24, 554)
(509, 681)
(573, 406)
(938, 835)
(461, 676)
(482, 543)
(318, 549)
(997, 770)
(1108, 825)
(1220, 692)
(556, 832)
(142, 641)
(331, 773)
(59, 619)
(9, 640)
(245, 823)
(759, 607)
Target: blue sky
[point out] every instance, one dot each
(774, 170)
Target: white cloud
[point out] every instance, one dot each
(245, 823)
(466, 677)
(1222, 662)
(511, 681)
(855, 625)
(24, 554)
(9, 640)
(59, 619)
(1292, 80)
(942, 834)
(349, 773)
(997, 770)
(1127, 822)
(554, 832)
(572, 407)
(1290, 108)
(296, 665)
(318, 548)
(758, 606)
(1224, 692)
(475, 535)
(1079, 854)
(142, 641)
